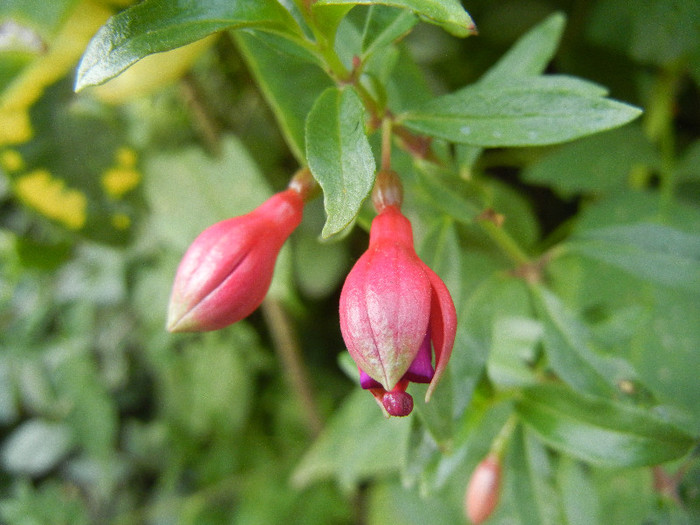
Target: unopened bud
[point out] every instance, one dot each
(483, 490)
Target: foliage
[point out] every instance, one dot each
(563, 220)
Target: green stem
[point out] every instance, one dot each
(287, 349)
(505, 242)
(500, 442)
(658, 125)
(386, 144)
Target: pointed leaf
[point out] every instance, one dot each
(600, 431)
(652, 252)
(383, 26)
(160, 25)
(567, 343)
(528, 112)
(358, 442)
(339, 156)
(530, 55)
(288, 79)
(36, 446)
(449, 14)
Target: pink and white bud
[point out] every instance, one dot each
(483, 490)
(395, 312)
(227, 270)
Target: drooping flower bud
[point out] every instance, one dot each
(483, 490)
(394, 313)
(227, 270)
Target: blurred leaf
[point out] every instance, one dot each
(450, 202)
(27, 29)
(529, 481)
(658, 31)
(664, 350)
(288, 80)
(189, 190)
(448, 14)
(357, 443)
(596, 164)
(436, 415)
(51, 502)
(9, 410)
(35, 447)
(578, 493)
(626, 496)
(390, 503)
(339, 156)
(600, 431)
(154, 26)
(653, 252)
(46, 17)
(440, 250)
(531, 54)
(689, 165)
(567, 343)
(383, 26)
(78, 169)
(56, 54)
(513, 351)
(92, 414)
(531, 111)
(319, 267)
(665, 30)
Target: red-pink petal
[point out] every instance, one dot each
(443, 326)
(226, 271)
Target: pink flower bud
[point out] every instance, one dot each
(394, 313)
(483, 490)
(227, 270)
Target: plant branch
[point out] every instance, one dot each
(492, 224)
(287, 349)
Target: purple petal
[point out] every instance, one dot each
(421, 369)
(367, 382)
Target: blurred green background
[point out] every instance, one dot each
(107, 418)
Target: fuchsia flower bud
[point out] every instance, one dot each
(227, 270)
(483, 490)
(394, 313)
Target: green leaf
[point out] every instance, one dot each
(441, 251)
(513, 351)
(78, 169)
(665, 30)
(600, 431)
(653, 252)
(449, 14)
(289, 79)
(40, 16)
(436, 415)
(358, 442)
(596, 164)
(383, 26)
(160, 25)
(339, 156)
(530, 55)
(391, 503)
(35, 447)
(51, 501)
(528, 112)
(567, 343)
(445, 199)
(580, 501)
(529, 489)
(189, 190)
